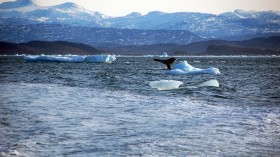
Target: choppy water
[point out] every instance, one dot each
(87, 109)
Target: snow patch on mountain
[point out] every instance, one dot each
(226, 25)
(16, 4)
(19, 6)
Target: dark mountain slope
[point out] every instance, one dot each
(44, 47)
(256, 46)
(231, 50)
(270, 43)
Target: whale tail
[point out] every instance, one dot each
(167, 62)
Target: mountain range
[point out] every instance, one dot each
(93, 36)
(24, 21)
(223, 26)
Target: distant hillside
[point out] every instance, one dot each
(231, 50)
(44, 47)
(256, 46)
(270, 43)
(155, 49)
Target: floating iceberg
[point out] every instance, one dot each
(164, 54)
(165, 84)
(210, 83)
(55, 58)
(172, 84)
(185, 68)
(100, 58)
(71, 58)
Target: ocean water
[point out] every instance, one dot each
(88, 109)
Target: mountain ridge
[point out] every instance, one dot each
(16, 4)
(210, 26)
(93, 36)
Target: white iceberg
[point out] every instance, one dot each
(173, 84)
(100, 58)
(210, 83)
(165, 84)
(55, 58)
(164, 54)
(71, 58)
(185, 68)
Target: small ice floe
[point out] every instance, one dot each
(210, 83)
(185, 68)
(100, 58)
(165, 84)
(164, 54)
(173, 84)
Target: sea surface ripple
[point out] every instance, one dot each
(88, 109)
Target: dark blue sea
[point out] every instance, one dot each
(90, 109)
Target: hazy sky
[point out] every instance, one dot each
(124, 7)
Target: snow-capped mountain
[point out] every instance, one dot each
(237, 23)
(16, 4)
(93, 36)
(66, 13)
(231, 25)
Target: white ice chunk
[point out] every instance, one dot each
(185, 68)
(100, 58)
(165, 84)
(55, 58)
(71, 58)
(75, 58)
(210, 83)
(164, 54)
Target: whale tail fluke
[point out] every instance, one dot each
(167, 62)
